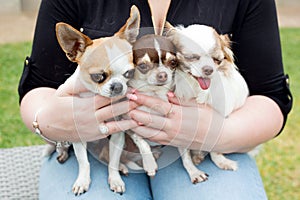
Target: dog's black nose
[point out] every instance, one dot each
(116, 88)
(161, 77)
(207, 70)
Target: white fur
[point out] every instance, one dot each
(201, 36)
(227, 92)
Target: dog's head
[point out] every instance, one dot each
(201, 51)
(155, 60)
(106, 64)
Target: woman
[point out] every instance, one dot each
(256, 45)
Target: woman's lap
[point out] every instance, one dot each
(170, 182)
(56, 181)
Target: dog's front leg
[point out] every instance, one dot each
(62, 152)
(149, 162)
(116, 145)
(195, 174)
(222, 162)
(83, 180)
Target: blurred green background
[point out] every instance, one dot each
(278, 160)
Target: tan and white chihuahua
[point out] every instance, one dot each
(209, 75)
(104, 67)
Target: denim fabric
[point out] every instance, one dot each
(170, 183)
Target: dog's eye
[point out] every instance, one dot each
(191, 57)
(217, 61)
(129, 74)
(173, 63)
(98, 77)
(143, 67)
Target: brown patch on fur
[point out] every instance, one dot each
(226, 46)
(146, 45)
(224, 43)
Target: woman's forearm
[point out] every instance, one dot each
(38, 100)
(64, 116)
(258, 121)
(200, 127)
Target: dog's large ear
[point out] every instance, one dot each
(173, 34)
(130, 30)
(226, 43)
(72, 41)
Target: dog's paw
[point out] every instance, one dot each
(116, 185)
(227, 165)
(63, 157)
(198, 176)
(149, 164)
(222, 162)
(198, 158)
(81, 186)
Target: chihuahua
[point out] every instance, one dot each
(209, 75)
(155, 59)
(104, 67)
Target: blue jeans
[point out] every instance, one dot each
(170, 183)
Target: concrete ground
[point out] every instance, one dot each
(20, 27)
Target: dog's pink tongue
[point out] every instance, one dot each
(204, 82)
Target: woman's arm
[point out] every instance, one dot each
(256, 45)
(199, 127)
(64, 116)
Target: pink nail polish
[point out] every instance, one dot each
(131, 96)
(171, 94)
(140, 123)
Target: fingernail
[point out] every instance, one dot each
(171, 94)
(131, 96)
(140, 123)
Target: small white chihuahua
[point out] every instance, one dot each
(209, 75)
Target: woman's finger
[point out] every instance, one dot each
(175, 100)
(112, 111)
(153, 103)
(101, 102)
(120, 126)
(150, 120)
(153, 135)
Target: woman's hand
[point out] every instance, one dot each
(176, 125)
(65, 116)
(195, 126)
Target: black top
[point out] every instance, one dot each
(252, 25)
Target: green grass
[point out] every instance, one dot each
(278, 161)
(12, 130)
